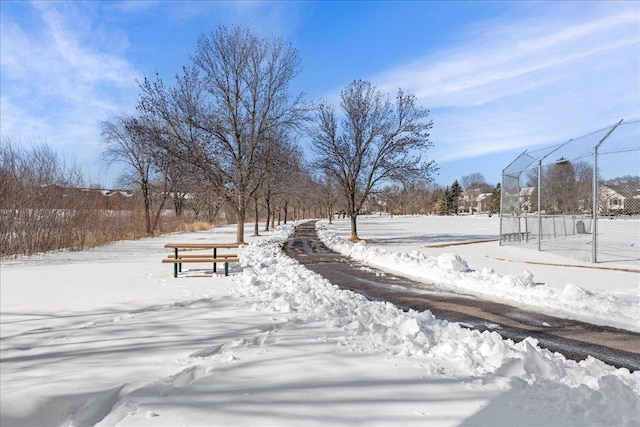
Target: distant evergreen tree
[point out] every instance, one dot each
(456, 191)
(449, 200)
(445, 202)
(494, 207)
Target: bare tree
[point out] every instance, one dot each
(128, 140)
(475, 180)
(44, 204)
(304, 194)
(224, 109)
(584, 185)
(328, 194)
(377, 141)
(282, 167)
(560, 195)
(204, 201)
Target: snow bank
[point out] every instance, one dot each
(449, 271)
(599, 394)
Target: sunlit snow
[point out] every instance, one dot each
(108, 337)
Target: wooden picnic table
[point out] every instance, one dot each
(178, 258)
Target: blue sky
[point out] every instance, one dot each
(498, 77)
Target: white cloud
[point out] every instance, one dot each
(510, 54)
(560, 72)
(61, 75)
(64, 45)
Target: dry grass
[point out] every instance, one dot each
(197, 226)
(27, 235)
(45, 207)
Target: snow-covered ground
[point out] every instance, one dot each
(107, 336)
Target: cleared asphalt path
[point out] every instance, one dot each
(575, 340)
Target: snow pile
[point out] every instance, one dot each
(449, 271)
(599, 394)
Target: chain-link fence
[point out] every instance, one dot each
(580, 198)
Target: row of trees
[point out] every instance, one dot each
(45, 205)
(39, 212)
(223, 128)
(229, 126)
(224, 135)
(428, 199)
(475, 188)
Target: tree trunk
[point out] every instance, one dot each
(158, 214)
(354, 229)
(147, 206)
(285, 210)
(267, 200)
(240, 217)
(256, 231)
(178, 203)
(273, 219)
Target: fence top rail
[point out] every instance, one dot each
(533, 158)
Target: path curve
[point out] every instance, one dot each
(575, 340)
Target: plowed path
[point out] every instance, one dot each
(575, 340)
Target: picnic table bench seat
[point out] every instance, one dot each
(177, 258)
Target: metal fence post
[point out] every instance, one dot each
(539, 205)
(594, 229)
(594, 253)
(501, 202)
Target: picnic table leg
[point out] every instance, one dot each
(175, 265)
(215, 253)
(226, 268)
